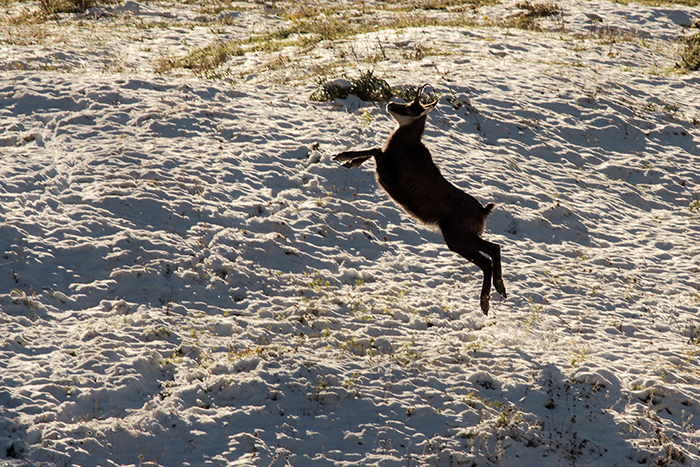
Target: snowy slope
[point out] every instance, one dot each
(187, 278)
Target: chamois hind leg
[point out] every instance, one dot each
(356, 158)
(494, 251)
(486, 267)
(468, 250)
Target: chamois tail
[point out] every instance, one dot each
(488, 208)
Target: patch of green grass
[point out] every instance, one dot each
(319, 283)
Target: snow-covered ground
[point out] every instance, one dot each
(187, 278)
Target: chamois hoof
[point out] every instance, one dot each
(500, 288)
(485, 303)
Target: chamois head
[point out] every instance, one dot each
(408, 113)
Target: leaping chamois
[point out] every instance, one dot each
(406, 171)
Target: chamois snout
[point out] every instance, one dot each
(406, 171)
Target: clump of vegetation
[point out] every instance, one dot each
(328, 91)
(690, 55)
(371, 88)
(532, 12)
(408, 93)
(458, 5)
(416, 52)
(538, 10)
(367, 87)
(51, 7)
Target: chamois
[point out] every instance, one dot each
(406, 171)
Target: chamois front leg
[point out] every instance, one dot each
(353, 159)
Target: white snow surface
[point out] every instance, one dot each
(187, 278)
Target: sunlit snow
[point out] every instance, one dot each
(187, 278)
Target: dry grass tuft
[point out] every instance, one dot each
(690, 55)
(51, 7)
